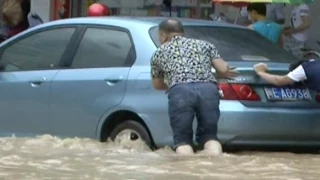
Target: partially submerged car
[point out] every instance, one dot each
(90, 77)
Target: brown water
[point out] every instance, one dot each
(51, 158)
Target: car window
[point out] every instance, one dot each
(235, 44)
(39, 51)
(102, 47)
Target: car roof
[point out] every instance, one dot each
(131, 20)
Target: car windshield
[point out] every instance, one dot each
(235, 44)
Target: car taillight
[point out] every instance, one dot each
(238, 92)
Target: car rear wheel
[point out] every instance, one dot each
(132, 131)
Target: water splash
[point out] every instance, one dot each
(49, 157)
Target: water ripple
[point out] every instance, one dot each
(50, 158)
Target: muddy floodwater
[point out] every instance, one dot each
(50, 158)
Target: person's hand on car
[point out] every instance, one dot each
(232, 73)
(261, 67)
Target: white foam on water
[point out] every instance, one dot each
(48, 157)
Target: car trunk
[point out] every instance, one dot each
(252, 91)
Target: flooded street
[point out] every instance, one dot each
(47, 157)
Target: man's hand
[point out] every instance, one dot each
(223, 70)
(261, 67)
(232, 73)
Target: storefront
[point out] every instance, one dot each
(59, 9)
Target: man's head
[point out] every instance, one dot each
(255, 10)
(169, 28)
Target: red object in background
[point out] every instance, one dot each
(238, 4)
(61, 9)
(98, 9)
(16, 30)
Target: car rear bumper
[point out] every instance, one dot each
(240, 125)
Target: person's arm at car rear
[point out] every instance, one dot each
(294, 76)
(157, 73)
(276, 80)
(218, 64)
(221, 66)
(223, 70)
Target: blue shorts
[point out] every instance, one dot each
(190, 100)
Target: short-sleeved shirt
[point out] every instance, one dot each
(184, 60)
(268, 29)
(298, 74)
(308, 72)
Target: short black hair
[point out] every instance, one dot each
(260, 8)
(171, 26)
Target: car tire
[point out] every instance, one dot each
(137, 131)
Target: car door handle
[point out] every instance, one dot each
(35, 83)
(112, 81)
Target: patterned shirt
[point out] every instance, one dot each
(184, 60)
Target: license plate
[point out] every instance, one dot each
(287, 94)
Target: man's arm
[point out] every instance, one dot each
(158, 84)
(221, 66)
(218, 64)
(276, 79)
(294, 76)
(157, 73)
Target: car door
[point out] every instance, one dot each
(94, 82)
(28, 64)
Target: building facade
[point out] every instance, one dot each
(59, 9)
